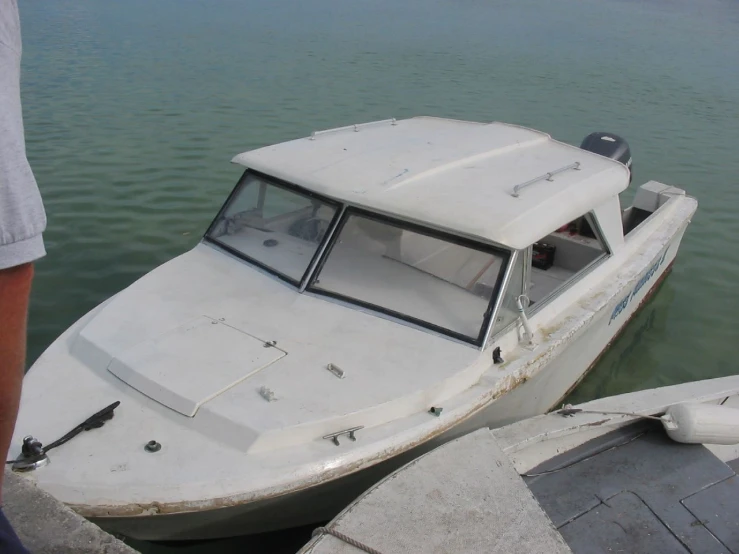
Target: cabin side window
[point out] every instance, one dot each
(562, 257)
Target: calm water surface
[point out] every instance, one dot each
(133, 110)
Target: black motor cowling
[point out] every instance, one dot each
(608, 145)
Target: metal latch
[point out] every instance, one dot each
(336, 370)
(349, 432)
(32, 455)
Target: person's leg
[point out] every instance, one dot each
(15, 288)
(9, 541)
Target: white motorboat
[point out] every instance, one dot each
(364, 295)
(596, 478)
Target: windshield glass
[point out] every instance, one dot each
(413, 274)
(274, 226)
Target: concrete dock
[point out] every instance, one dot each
(46, 526)
(464, 497)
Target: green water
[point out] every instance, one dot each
(133, 110)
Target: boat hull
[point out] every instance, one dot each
(548, 388)
(533, 396)
(311, 505)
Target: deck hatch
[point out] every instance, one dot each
(193, 363)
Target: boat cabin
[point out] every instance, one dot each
(445, 225)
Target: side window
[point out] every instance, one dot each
(508, 311)
(561, 257)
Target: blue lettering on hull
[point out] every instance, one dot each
(621, 306)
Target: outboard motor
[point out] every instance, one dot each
(609, 145)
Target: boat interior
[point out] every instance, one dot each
(561, 255)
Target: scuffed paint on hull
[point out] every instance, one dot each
(650, 294)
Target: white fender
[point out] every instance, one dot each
(702, 424)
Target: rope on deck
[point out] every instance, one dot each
(568, 410)
(345, 538)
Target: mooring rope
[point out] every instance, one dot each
(568, 410)
(345, 538)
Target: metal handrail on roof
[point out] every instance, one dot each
(547, 176)
(356, 128)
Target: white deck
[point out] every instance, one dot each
(449, 174)
(465, 497)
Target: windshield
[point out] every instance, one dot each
(438, 282)
(274, 226)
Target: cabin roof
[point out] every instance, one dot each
(453, 175)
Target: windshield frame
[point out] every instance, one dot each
(505, 254)
(278, 183)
